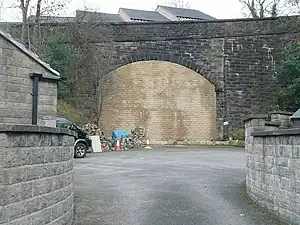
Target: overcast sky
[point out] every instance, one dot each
(221, 9)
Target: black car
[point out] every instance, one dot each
(83, 143)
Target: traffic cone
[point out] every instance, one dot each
(118, 147)
(148, 144)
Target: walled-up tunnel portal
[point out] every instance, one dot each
(172, 102)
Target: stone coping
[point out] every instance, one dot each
(273, 124)
(283, 132)
(255, 116)
(281, 113)
(27, 128)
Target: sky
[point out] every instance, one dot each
(221, 9)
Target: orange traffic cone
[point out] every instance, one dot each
(148, 144)
(118, 147)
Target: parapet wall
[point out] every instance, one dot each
(36, 175)
(273, 167)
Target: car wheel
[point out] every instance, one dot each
(80, 150)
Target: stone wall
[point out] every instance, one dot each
(273, 167)
(36, 175)
(172, 102)
(16, 88)
(239, 57)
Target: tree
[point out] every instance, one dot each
(41, 8)
(270, 8)
(288, 79)
(24, 6)
(179, 3)
(61, 56)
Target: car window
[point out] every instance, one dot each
(63, 123)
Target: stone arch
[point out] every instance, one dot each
(168, 99)
(188, 63)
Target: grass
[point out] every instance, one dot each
(68, 111)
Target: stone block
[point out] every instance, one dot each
(53, 154)
(54, 212)
(46, 214)
(295, 152)
(13, 193)
(33, 140)
(23, 221)
(66, 153)
(38, 155)
(281, 162)
(46, 140)
(56, 169)
(14, 211)
(38, 187)
(26, 192)
(35, 172)
(16, 175)
(16, 140)
(285, 214)
(68, 204)
(13, 157)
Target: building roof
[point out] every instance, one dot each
(135, 14)
(187, 13)
(97, 16)
(30, 54)
(296, 115)
(52, 19)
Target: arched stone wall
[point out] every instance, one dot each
(171, 101)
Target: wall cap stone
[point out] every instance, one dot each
(283, 132)
(282, 113)
(255, 116)
(273, 124)
(26, 128)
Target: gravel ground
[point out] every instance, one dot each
(165, 186)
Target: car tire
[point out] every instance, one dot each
(80, 150)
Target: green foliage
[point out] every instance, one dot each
(68, 111)
(238, 134)
(288, 79)
(61, 56)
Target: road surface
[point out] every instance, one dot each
(165, 186)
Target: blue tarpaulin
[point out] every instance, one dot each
(118, 133)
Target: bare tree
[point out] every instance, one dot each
(101, 60)
(24, 6)
(178, 3)
(41, 8)
(269, 8)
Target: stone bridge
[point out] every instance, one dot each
(235, 62)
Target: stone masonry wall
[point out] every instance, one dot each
(240, 57)
(36, 175)
(273, 168)
(16, 89)
(172, 102)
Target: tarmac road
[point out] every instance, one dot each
(165, 186)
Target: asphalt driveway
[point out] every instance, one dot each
(167, 186)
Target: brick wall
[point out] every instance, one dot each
(169, 100)
(273, 168)
(36, 175)
(16, 88)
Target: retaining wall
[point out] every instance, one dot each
(273, 167)
(36, 175)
